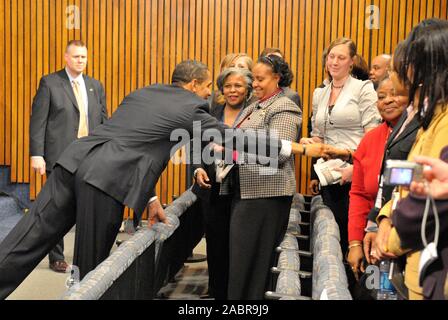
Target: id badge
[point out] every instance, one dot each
(427, 257)
(379, 196)
(395, 199)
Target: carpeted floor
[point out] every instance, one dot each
(44, 284)
(14, 199)
(190, 283)
(10, 214)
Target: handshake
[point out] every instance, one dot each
(325, 151)
(315, 150)
(332, 167)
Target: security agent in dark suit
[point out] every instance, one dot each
(67, 105)
(117, 164)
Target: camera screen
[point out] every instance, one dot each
(401, 176)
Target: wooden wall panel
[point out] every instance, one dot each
(2, 82)
(134, 43)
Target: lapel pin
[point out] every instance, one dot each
(91, 89)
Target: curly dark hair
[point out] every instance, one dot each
(425, 65)
(280, 67)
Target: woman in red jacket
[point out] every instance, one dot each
(367, 165)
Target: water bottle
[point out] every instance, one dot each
(386, 290)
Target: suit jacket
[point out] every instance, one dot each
(55, 114)
(354, 111)
(127, 154)
(216, 111)
(277, 113)
(396, 149)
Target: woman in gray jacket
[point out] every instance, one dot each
(261, 194)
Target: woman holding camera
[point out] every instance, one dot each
(408, 221)
(424, 66)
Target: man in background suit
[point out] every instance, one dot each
(380, 69)
(67, 105)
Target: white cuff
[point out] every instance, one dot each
(286, 149)
(195, 172)
(153, 199)
(37, 157)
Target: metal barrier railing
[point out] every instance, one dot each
(329, 277)
(329, 280)
(288, 284)
(100, 280)
(141, 254)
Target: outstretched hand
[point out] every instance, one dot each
(314, 150)
(331, 152)
(202, 179)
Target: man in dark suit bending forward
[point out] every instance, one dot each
(118, 164)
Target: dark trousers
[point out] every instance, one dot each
(256, 227)
(63, 200)
(98, 220)
(217, 222)
(50, 218)
(57, 253)
(336, 197)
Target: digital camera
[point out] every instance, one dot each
(402, 173)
